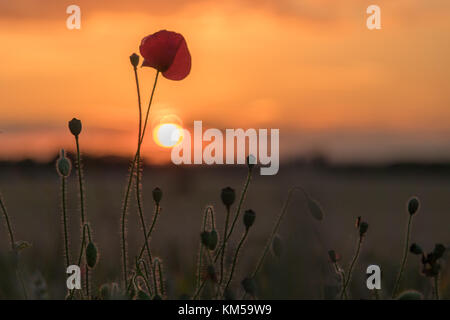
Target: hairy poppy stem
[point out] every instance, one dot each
(349, 277)
(127, 192)
(8, 223)
(64, 212)
(138, 169)
(238, 211)
(405, 257)
(236, 254)
(148, 235)
(224, 245)
(436, 286)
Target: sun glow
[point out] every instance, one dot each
(168, 135)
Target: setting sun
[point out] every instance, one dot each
(168, 135)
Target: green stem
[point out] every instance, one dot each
(404, 259)
(358, 248)
(8, 224)
(238, 211)
(148, 235)
(127, 192)
(233, 266)
(222, 256)
(342, 275)
(138, 168)
(66, 234)
(436, 287)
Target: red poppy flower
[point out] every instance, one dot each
(167, 52)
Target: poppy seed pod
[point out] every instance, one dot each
(91, 255)
(413, 205)
(75, 126)
(134, 59)
(157, 195)
(363, 228)
(439, 250)
(213, 240)
(63, 165)
(249, 218)
(228, 196)
(204, 237)
(415, 249)
(333, 256)
(249, 286)
(410, 295)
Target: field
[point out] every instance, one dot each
(32, 195)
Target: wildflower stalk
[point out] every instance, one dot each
(208, 210)
(127, 192)
(349, 277)
(404, 259)
(236, 254)
(8, 224)
(341, 273)
(13, 246)
(222, 256)
(138, 168)
(436, 287)
(238, 211)
(148, 235)
(66, 234)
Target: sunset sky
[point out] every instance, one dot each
(308, 67)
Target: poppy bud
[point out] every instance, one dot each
(141, 295)
(410, 295)
(75, 126)
(157, 195)
(277, 246)
(91, 255)
(314, 208)
(228, 195)
(251, 161)
(333, 256)
(134, 59)
(413, 205)
(249, 218)
(438, 251)
(363, 228)
(63, 165)
(249, 286)
(415, 249)
(204, 236)
(213, 240)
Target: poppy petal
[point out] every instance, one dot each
(181, 65)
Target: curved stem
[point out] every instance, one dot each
(148, 235)
(238, 211)
(138, 168)
(349, 277)
(342, 275)
(8, 224)
(233, 266)
(404, 259)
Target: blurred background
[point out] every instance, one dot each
(363, 117)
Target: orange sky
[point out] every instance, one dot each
(310, 68)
